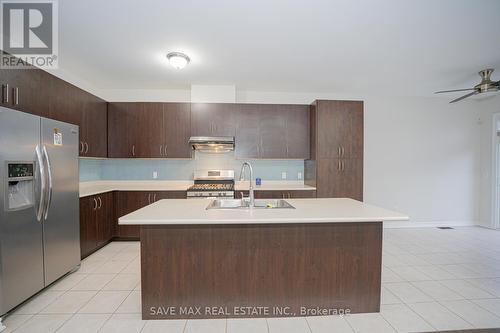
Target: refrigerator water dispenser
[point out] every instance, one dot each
(20, 186)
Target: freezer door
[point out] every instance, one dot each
(21, 256)
(61, 226)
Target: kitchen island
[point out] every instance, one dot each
(323, 257)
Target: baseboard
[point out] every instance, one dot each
(430, 224)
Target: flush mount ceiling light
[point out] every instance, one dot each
(178, 60)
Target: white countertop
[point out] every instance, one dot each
(102, 186)
(275, 185)
(193, 211)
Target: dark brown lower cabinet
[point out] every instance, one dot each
(345, 177)
(296, 266)
(295, 194)
(96, 222)
(88, 229)
(105, 218)
(128, 201)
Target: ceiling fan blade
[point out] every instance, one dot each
(464, 97)
(447, 91)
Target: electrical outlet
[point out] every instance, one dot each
(299, 175)
(283, 175)
(155, 174)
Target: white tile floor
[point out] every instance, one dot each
(432, 280)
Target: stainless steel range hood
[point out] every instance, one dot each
(212, 144)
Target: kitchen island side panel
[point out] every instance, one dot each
(281, 267)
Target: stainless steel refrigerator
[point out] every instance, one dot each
(39, 204)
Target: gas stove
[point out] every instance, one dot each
(212, 184)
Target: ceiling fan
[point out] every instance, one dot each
(486, 85)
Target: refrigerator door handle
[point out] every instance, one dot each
(49, 192)
(43, 185)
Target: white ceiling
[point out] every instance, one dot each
(364, 46)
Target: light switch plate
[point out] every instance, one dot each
(155, 174)
(283, 175)
(299, 175)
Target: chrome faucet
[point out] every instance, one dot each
(250, 188)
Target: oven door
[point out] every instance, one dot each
(210, 195)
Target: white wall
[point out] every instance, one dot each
(489, 108)
(422, 157)
(212, 94)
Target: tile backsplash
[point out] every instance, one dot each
(182, 169)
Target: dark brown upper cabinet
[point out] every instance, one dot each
(247, 140)
(176, 130)
(148, 130)
(213, 119)
(148, 139)
(297, 131)
(25, 90)
(94, 128)
(73, 105)
(340, 129)
(122, 129)
(336, 164)
(37, 92)
(272, 131)
(66, 102)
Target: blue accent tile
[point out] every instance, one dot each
(142, 169)
(90, 169)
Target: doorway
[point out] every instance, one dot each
(496, 172)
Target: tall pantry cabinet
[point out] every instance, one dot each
(336, 164)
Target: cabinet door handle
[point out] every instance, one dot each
(339, 165)
(339, 151)
(16, 96)
(86, 147)
(161, 150)
(165, 151)
(100, 202)
(154, 197)
(95, 203)
(149, 198)
(81, 147)
(5, 93)
(133, 150)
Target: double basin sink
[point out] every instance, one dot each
(245, 204)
